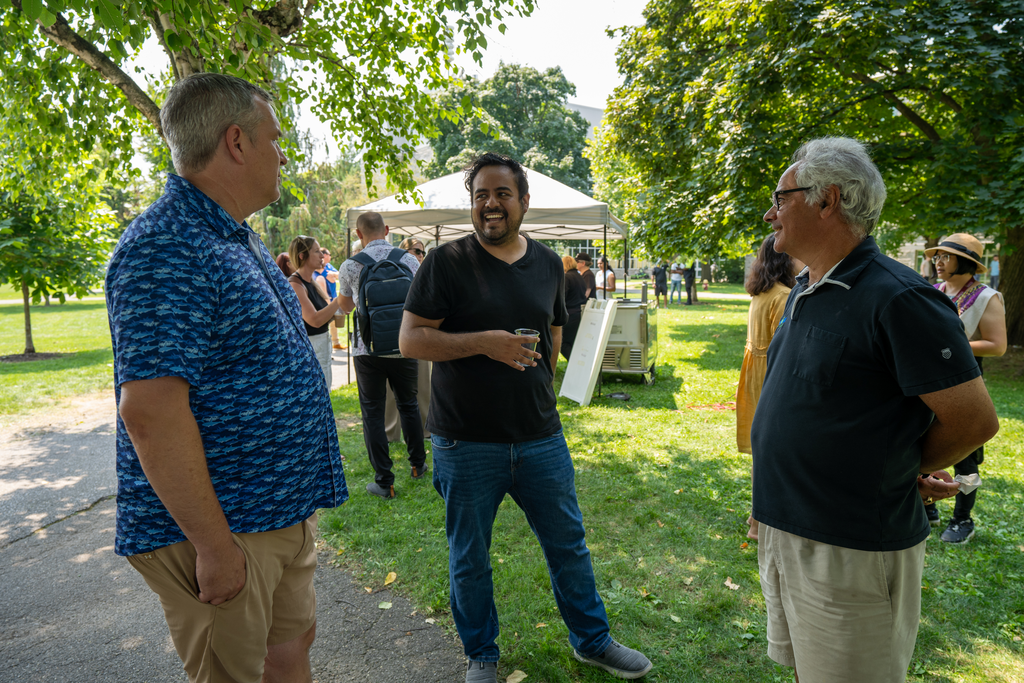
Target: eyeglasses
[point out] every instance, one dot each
(418, 252)
(325, 252)
(779, 193)
(941, 258)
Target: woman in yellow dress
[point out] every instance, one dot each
(771, 278)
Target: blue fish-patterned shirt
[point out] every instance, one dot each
(187, 298)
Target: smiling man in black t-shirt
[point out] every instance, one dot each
(493, 416)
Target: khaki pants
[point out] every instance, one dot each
(227, 643)
(840, 615)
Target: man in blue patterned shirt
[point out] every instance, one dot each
(226, 442)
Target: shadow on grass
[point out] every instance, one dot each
(80, 359)
(55, 308)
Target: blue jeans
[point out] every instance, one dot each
(473, 479)
(677, 288)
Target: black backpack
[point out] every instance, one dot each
(383, 286)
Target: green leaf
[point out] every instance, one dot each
(32, 9)
(173, 41)
(46, 18)
(109, 15)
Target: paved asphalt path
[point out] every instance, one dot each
(71, 610)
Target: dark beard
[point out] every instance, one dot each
(496, 239)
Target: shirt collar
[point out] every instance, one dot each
(848, 270)
(219, 220)
(379, 241)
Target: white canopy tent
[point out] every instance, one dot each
(557, 212)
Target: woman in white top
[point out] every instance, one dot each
(605, 279)
(957, 259)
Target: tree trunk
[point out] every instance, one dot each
(29, 346)
(1011, 284)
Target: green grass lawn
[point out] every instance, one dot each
(78, 328)
(664, 495)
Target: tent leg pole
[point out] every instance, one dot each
(606, 257)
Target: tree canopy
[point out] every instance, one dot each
(367, 68)
(717, 97)
(519, 111)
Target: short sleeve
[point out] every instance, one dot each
(347, 279)
(163, 306)
(925, 342)
(430, 296)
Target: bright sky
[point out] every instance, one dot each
(565, 33)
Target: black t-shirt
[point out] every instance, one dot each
(575, 290)
(838, 429)
(589, 282)
(660, 277)
(476, 398)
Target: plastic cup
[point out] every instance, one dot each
(526, 332)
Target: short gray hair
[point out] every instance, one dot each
(200, 108)
(845, 163)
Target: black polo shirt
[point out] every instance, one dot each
(838, 428)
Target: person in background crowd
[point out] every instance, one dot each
(494, 417)
(771, 278)
(285, 263)
(676, 278)
(689, 276)
(414, 247)
(589, 281)
(575, 300)
(871, 389)
(392, 424)
(327, 278)
(317, 311)
(957, 259)
(659, 276)
(605, 284)
(219, 473)
(993, 273)
(375, 373)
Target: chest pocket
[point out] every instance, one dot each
(819, 356)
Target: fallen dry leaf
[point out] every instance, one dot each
(744, 544)
(430, 620)
(674, 618)
(515, 677)
(688, 580)
(384, 605)
(419, 550)
(730, 585)
(542, 625)
(660, 523)
(367, 589)
(340, 551)
(390, 578)
(678, 491)
(501, 561)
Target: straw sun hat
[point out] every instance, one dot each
(963, 246)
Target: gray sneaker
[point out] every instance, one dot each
(378, 490)
(958, 532)
(482, 672)
(618, 660)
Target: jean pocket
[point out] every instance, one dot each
(443, 443)
(819, 356)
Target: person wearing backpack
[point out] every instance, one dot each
(374, 283)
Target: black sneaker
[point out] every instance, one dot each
(618, 660)
(482, 672)
(381, 491)
(418, 472)
(933, 514)
(958, 532)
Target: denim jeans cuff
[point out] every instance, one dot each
(604, 643)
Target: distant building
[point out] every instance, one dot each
(591, 114)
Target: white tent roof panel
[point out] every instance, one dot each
(556, 211)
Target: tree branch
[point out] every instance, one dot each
(284, 18)
(901, 107)
(62, 34)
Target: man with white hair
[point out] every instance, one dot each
(871, 387)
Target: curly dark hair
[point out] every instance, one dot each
(768, 268)
(494, 159)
